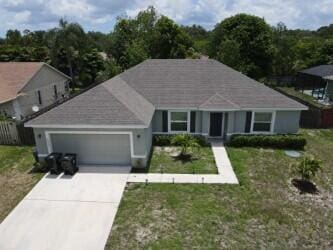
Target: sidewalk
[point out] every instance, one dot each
(225, 174)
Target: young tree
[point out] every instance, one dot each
(307, 167)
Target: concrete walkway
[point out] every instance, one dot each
(225, 174)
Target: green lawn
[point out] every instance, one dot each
(15, 177)
(265, 211)
(165, 159)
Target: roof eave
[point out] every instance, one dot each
(85, 126)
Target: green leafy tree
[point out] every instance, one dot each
(91, 64)
(13, 37)
(68, 41)
(254, 40)
(169, 40)
(307, 167)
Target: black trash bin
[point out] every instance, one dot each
(53, 162)
(69, 164)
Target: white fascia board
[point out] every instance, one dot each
(87, 126)
(234, 109)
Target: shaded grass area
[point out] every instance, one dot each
(307, 98)
(264, 211)
(16, 179)
(165, 159)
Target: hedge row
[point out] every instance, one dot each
(165, 140)
(269, 141)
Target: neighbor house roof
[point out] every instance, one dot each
(131, 97)
(329, 77)
(321, 70)
(15, 75)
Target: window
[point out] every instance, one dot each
(39, 97)
(262, 122)
(178, 121)
(55, 91)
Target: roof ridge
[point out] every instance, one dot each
(113, 88)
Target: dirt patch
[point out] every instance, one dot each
(305, 186)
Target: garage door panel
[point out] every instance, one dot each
(94, 148)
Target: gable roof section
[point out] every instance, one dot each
(321, 70)
(112, 103)
(217, 101)
(13, 77)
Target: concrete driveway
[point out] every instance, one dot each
(64, 212)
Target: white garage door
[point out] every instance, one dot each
(110, 149)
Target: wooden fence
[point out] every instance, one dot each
(12, 133)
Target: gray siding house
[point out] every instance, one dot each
(27, 84)
(113, 123)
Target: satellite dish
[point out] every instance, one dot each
(35, 108)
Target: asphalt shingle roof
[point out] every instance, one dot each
(13, 77)
(321, 70)
(131, 97)
(191, 82)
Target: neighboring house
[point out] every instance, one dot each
(113, 123)
(27, 84)
(318, 80)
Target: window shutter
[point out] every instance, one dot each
(248, 122)
(192, 123)
(39, 97)
(165, 121)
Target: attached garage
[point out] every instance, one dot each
(111, 149)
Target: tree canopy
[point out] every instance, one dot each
(247, 38)
(244, 42)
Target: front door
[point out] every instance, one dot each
(215, 128)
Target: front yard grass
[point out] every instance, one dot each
(15, 177)
(164, 159)
(264, 211)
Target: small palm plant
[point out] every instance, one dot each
(186, 142)
(307, 167)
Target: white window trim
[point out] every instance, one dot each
(129, 133)
(272, 122)
(188, 121)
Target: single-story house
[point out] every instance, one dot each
(318, 81)
(24, 85)
(113, 123)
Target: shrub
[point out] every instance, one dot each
(166, 140)
(307, 167)
(270, 141)
(186, 142)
